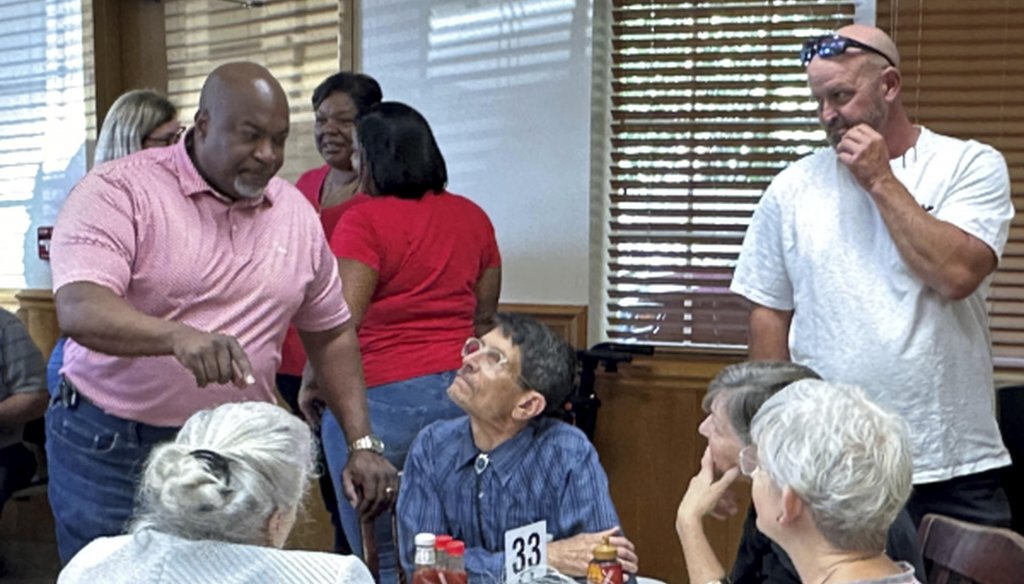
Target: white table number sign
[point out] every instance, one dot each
(526, 552)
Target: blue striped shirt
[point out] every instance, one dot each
(549, 471)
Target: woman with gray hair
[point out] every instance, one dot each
(734, 397)
(831, 471)
(216, 505)
(138, 119)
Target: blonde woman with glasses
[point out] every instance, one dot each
(139, 119)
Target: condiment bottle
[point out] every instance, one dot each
(456, 572)
(605, 567)
(425, 571)
(440, 553)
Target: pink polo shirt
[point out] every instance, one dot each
(149, 228)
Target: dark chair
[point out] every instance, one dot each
(1010, 413)
(958, 552)
(580, 408)
(35, 440)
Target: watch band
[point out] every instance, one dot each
(368, 442)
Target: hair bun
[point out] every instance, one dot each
(191, 483)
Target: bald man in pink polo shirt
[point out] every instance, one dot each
(176, 272)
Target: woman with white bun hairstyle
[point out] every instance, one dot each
(216, 505)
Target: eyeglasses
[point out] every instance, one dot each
(748, 460)
(165, 140)
(832, 45)
(489, 357)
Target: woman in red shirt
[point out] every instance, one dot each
(337, 102)
(421, 273)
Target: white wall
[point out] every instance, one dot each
(506, 87)
(43, 128)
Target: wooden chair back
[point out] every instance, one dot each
(957, 552)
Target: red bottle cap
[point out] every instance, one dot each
(441, 541)
(456, 548)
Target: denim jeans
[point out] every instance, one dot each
(94, 461)
(398, 411)
(53, 367)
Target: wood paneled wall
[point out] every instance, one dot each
(648, 442)
(36, 310)
(130, 49)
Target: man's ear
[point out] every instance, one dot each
(793, 507)
(531, 405)
(202, 123)
(892, 81)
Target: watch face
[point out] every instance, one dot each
(371, 443)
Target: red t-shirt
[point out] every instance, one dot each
(429, 255)
(293, 356)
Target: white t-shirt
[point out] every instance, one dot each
(159, 558)
(817, 245)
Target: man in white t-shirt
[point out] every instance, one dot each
(869, 262)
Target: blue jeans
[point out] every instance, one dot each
(398, 411)
(94, 461)
(53, 367)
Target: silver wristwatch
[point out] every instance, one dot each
(368, 442)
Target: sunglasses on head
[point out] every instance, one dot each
(832, 45)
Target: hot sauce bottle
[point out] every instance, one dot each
(456, 571)
(604, 567)
(425, 571)
(440, 553)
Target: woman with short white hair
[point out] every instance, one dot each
(216, 505)
(831, 470)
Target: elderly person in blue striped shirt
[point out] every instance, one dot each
(505, 464)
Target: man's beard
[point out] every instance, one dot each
(875, 119)
(248, 189)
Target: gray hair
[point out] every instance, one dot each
(547, 362)
(844, 456)
(132, 117)
(226, 472)
(746, 386)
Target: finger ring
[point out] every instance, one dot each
(390, 490)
